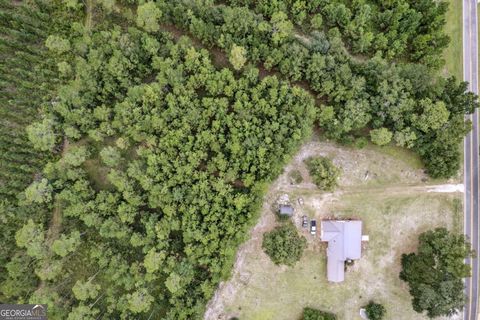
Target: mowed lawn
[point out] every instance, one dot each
(453, 55)
(393, 223)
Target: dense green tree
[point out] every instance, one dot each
(369, 94)
(153, 259)
(323, 172)
(64, 68)
(381, 136)
(173, 283)
(237, 57)
(42, 134)
(281, 27)
(435, 273)
(20, 278)
(375, 311)
(85, 290)
(145, 212)
(75, 156)
(83, 313)
(28, 84)
(148, 16)
(49, 270)
(314, 314)
(441, 153)
(316, 21)
(433, 116)
(66, 244)
(31, 236)
(39, 192)
(338, 14)
(405, 138)
(108, 5)
(110, 156)
(57, 44)
(284, 245)
(139, 301)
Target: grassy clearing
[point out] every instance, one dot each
(371, 166)
(97, 174)
(96, 170)
(393, 224)
(409, 157)
(453, 55)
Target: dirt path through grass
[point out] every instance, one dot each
(390, 190)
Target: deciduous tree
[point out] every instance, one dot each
(323, 172)
(237, 57)
(375, 311)
(148, 16)
(381, 136)
(39, 192)
(42, 134)
(284, 245)
(435, 273)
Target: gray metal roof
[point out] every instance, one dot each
(344, 242)
(286, 210)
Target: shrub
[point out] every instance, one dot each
(284, 245)
(361, 142)
(323, 172)
(314, 314)
(148, 15)
(110, 156)
(316, 21)
(237, 57)
(381, 136)
(42, 135)
(375, 311)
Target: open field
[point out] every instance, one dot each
(392, 197)
(453, 55)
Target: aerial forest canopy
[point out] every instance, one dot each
(134, 159)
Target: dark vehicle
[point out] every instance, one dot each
(304, 222)
(313, 227)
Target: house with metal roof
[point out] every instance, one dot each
(344, 243)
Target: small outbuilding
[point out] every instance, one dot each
(285, 210)
(344, 244)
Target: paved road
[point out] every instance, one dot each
(470, 74)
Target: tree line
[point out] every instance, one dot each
(156, 162)
(188, 150)
(405, 102)
(27, 79)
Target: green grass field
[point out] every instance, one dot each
(393, 223)
(454, 53)
(406, 155)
